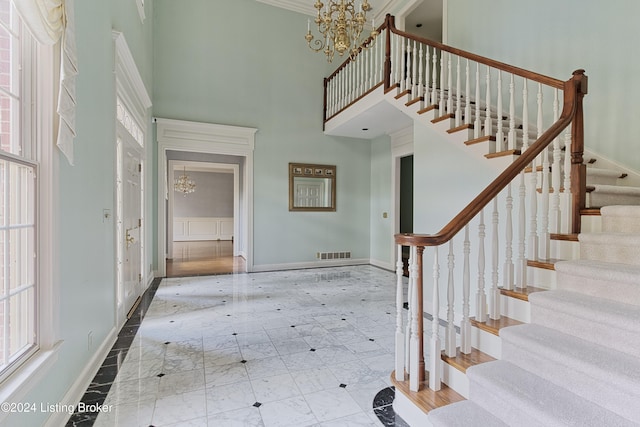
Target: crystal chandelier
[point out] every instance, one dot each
(184, 184)
(340, 24)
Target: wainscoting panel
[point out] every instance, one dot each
(191, 229)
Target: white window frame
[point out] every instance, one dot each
(40, 65)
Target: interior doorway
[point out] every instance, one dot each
(203, 216)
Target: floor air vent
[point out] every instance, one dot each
(333, 255)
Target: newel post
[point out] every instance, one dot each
(390, 23)
(578, 169)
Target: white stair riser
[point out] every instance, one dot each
(514, 308)
(627, 293)
(589, 385)
(595, 332)
(455, 379)
(610, 252)
(486, 342)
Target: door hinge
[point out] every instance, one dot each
(139, 167)
(139, 222)
(139, 277)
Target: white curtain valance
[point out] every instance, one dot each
(50, 21)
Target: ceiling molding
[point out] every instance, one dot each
(304, 6)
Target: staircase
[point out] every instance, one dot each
(549, 333)
(576, 363)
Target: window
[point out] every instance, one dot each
(18, 194)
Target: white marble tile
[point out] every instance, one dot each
(246, 417)
(249, 338)
(296, 345)
(258, 351)
(331, 404)
(183, 361)
(336, 354)
(229, 397)
(219, 342)
(132, 391)
(140, 369)
(292, 412)
(356, 420)
(277, 387)
(137, 414)
(302, 361)
(313, 380)
(197, 422)
(181, 382)
(365, 392)
(180, 407)
(260, 368)
(354, 371)
(225, 356)
(225, 374)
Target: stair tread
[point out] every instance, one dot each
(547, 264)
(577, 354)
(523, 394)
(427, 399)
(604, 311)
(463, 414)
(625, 273)
(521, 293)
(566, 237)
(617, 237)
(462, 361)
(621, 210)
(614, 189)
(493, 326)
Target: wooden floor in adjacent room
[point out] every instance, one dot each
(204, 257)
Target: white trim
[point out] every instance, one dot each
(313, 264)
(28, 377)
(385, 265)
(180, 135)
(129, 80)
(80, 385)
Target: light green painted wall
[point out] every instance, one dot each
(381, 202)
(557, 37)
(223, 62)
(85, 248)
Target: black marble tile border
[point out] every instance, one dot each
(101, 383)
(383, 408)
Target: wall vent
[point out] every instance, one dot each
(333, 255)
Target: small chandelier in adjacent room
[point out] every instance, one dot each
(340, 24)
(184, 184)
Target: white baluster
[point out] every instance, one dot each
(359, 79)
(449, 85)
(435, 346)
(567, 218)
(414, 72)
(507, 280)
(399, 61)
(494, 295)
(434, 76)
(522, 232)
(488, 120)
(450, 338)
(533, 207)
(399, 362)
(414, 342)
(525, 117)
(481, 297)
(513, 143)
(442, 109)
(409, 61)
(427, 75)
(458, 95)
(420, 92)
(465, 324)
(467, 94)
(500, 133)
(554, 216)
(477, 124)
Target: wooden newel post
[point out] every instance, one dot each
(390, 23)
(578, 169)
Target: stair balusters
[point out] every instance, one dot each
(450, 337)
(400, 343)
(434, 344)
(507, 276)
(481, 297)
(494, 295)
(465, 323)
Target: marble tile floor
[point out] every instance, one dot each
(291, 348)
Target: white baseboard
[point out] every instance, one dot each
(312, 264)
(77, 390)
(383, 264)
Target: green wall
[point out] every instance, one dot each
(223, 62)
(557, 37)
(381, 203)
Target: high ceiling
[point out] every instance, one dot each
(427, 12)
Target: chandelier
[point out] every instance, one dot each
(340, 24)
(184, 184)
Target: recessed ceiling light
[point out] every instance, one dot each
(365, 129)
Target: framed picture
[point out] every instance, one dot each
(297, 171)
(312, 187)
(308, 171)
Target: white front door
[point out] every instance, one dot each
(129, 223)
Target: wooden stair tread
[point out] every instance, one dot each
(521, 293)
(502, 154)
(442, 118)
(403, 93)
(426, 399)
(547, 264)
(463, 361)
(565, 237)
(428, 108)
(391, 88)
(413, 101)
(480, 140)
(494, 326)
(590, 211)
(459, 128)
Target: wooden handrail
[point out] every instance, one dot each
(574, 91)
